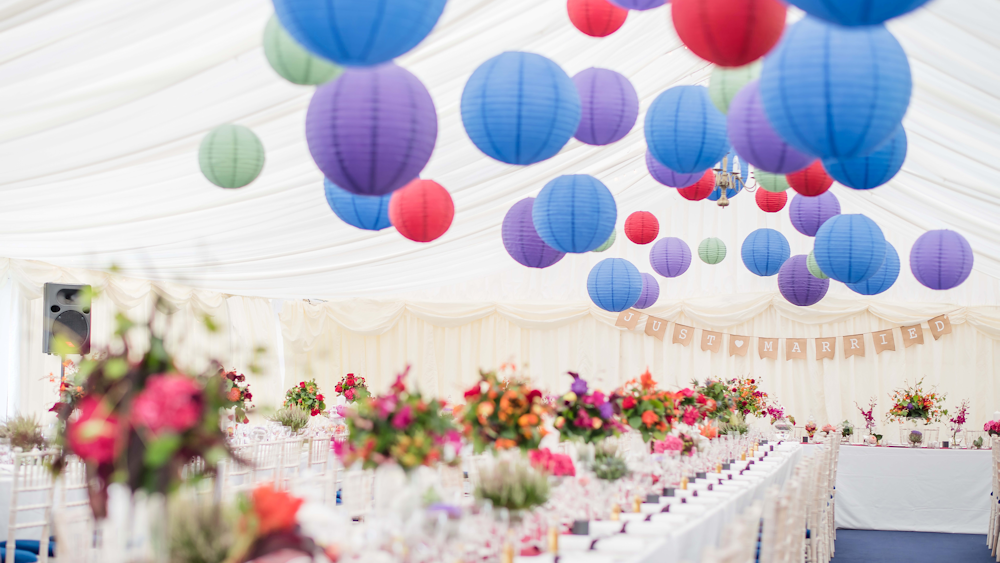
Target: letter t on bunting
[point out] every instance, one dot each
(767, 348)
(628, 319)
(826, 347)
(683, 334)
(884, 340)
(656, 326)
(939, 326)
(912, 335)
(854, 345)
(795, 349)
(738, 345)
(711, 341)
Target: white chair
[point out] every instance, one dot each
(32, 493)
(993, 535)
(357, 492)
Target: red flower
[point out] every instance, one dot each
(339, 388)
(95, 435)
(247, 395)
(169, 402)
(314, 412)
(534, 394)
(349, 381)
(302, 384)
(319, 397)
(628, 403)
(649, 418)
(275, 510)
(472, 392)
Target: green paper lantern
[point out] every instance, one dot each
(726, 82)
(607, 244)
(814, 267)
(231, 156)
(292, 62)
(771, 182)
(712, 250)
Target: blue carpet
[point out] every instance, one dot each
(866, 546)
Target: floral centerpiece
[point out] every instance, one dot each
(959, 420)
(513, 484)
(811, 428)
(992, 427)
(718, 403)
(306, 396)
(911, 404)
(846, 429)
(352, 388)
(70, 392)
(747, 398)
(692, 407)
(400, 426)
(644, 408)
(584, 415)
(557, 465)
(237, 393)
(828, 429)
(609, 467)
(503, 413)
(869, 415)
(776, 412)
(682, 443)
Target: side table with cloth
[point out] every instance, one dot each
(913, 489)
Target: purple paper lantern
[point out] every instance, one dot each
(668, 177)
(798, 285)
(670, 257)
(650, 292)
(372, 130)
(941, 259)
(755, 140)
(609, 106)
(521, 239)
(809, 213)
(638, 4)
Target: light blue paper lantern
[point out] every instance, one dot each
(367, 212)
(359, 32)
(764, 251)
(574, 213)
(883, 278)
(520, 108)
(614, 284)
(849, 248)
(857, 12)
(685, 131)
(835, 92)
(867, 172)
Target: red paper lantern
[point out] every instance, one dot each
(771, 202)
(729, 32)
(700, 189)
(421, 210)
(642, 227)
(596, 18)
(810, 181)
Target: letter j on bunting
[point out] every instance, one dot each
(683, 334)
(656, 327)
(711, 341)
(628, 319)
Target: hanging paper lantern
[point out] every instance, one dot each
(798, 285)
(753, 138)
(639, 4)
(422, 210)
(836, 92)
(522, 241)
(883, 278)
(362, 211)
(814, 267)
(712, 250)
(867, 172)
(670, 257)
(359, 33)
(575, 213)
(520, 108)
(729, 32)
(811, 181)
(771, 182)
(700, 189)
(808, 214)
(231, 156)
(764, 251)
(596, 18)
(668, 177)
(291, 61)
(941, 259)
(650, 292)
(849, 248)
(609, 106)
(726, 82)
(684, 131)
(372, 131)
(607, 244)
(857, 12)
(771, 202)
(614, 284)
(642, 227)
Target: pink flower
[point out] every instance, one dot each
(349, 394)
(690, 416)
(403, 418)
(169, 402)
(341, 411)
(582, 419)
(668, 444)
(685, 392)
(95, 436)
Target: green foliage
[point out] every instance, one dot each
(609, 467)
(23, 431)
(200, 531)
(513, 484)
(293, 418)
(978, 442)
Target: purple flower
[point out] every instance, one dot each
(579, 386)
(606, 410)
(909, 406)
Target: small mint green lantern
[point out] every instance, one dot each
(292, 62)
(726, 82)
(771, 182)
(231, 156)
(712, 250)
(607, 244)
(814, 267)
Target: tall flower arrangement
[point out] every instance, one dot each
(503, 413)
(869, 415)
(306, 396)
(645, 408)
(913, 403)
(747, 398)
(352, 387)
(237, 393)
(959, 420)
(584, 415)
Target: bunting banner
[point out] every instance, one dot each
(656, 327)
(795, 349)
(826, 348)
(738, 345)
(711, 341)
(884, 341)
(912, 335)
(628, 318)
(683, 334)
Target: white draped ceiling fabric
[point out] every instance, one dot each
(104, 103)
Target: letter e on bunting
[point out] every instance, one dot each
(939, 326)
(683, 334)
(767, 348)
(738, 345)
(826, 347)
(912, 335)
(884, 340)
(656, 327)
(854, 345)
(628, 319)
(711, 341)
(795, 349)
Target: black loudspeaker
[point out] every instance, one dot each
(66, 321)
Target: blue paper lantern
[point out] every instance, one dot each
(614, 284)
(367, 212)
(857, 12)
(685, 131)
(359, 33)
(520, 108)
(883, 278)
(764, 251)
(575, 213)
(650, 292)
(849, 248)
(867, 172)
(835, 92)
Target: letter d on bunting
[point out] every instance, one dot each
(939, 326)
(656, 327)
(854, 345)
(683, 334)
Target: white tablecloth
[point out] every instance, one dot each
(913, 489)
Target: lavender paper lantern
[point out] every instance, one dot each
(798, 285)
(650, 292)
(668, 177)
(638, 4)
(755, 140)
(372, 130)
(941, 259)
(521, 239)
(609, 106)
(670, 257)
(809, 213)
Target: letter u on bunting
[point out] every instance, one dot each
(711, 341)
(854, 345)
(939, 326)
(767, 348)
(826, 347)
(912, 335)
(884, 340)
(738, 345)
(795, 349)
(628, 319)
(656, 326)
(683, 334)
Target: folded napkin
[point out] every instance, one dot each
(650, 508)
(689, 509)
(601, 528)
(575, 543)
(620, 544)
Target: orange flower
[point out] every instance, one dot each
(709, 431)
(484, 410)
(649, 418)
(505, 444)
(528, 420)
(275, 510)
(647, 380)
(234, 394)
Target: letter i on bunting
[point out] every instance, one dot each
(854, 345)
(711, 341)
(912, 335)
(628, 319)
(738, 345)
(826, 347)
(939, 326)
(884, 340)
(767, 348)
(683, 334)
(795, 349)
(656, 327)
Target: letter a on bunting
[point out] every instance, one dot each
(795, 349)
